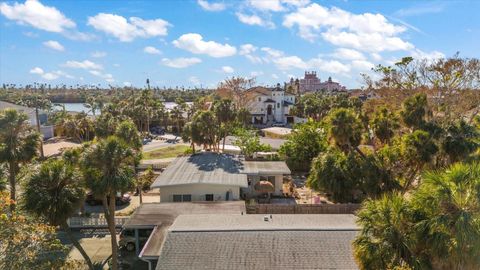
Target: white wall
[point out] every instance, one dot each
(198, 192)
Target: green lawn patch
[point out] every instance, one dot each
(166, 152)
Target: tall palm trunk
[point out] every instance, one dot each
(39, 131)
(76, 244)
(12, 171)
(110, 217)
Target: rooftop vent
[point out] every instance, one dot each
(265, 218)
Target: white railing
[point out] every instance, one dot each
(94, 222)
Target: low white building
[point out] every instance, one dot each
(270, 106)
(212, 176)
(46, 131)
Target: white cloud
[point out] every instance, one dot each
(266, 5)
(86, 64)
(106, 76)
(227, 69)
(180, 62)
(371, 42)
(127, 84)
(362, 65)
(429, 56)
(36, 70)
(272, 52)
(377, 57)
(211, 6)
(253, 59)
(35, 14)
(348, 54)
(151, 50)
(194, 80)
(55, 45)
(127, 30)
(296, 3)
(275, 76)
(194, 43)
(288, 62)
(247, 49)
(49, 76)
(98, 54)
(254, 20)
(256, 73)
(366, 32)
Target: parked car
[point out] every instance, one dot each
(127, 238)
(120, 199)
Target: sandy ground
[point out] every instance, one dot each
(57, 147)
(307, 195)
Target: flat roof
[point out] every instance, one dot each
(203, 168)
(162, 215)
(152, 214)
(265, 168)
(241, 242)
(256, 222)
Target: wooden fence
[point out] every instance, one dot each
(302, 209)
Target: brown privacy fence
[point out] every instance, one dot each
(302, 209)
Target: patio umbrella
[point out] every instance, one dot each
(264, 186)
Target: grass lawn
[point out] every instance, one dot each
(167, 152)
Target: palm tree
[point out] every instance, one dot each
(18, 144)
(38, 103)
(450, 201)
(345, 129)
(127, 131)
(107, 169)
(55, 193)
(225, 114)
(177, 115)
(384, 124)
(385, 240)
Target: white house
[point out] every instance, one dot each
(212, 176)
(47, 131)
(270, 106)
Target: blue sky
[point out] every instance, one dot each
(199, 43)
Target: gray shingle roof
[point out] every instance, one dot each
(239, 250)
(215, 168)
(256, 222)
(248, 242)
(203, 168)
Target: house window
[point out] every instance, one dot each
(182, 198)
(259, 99)
(209, 197)
(278, 105)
